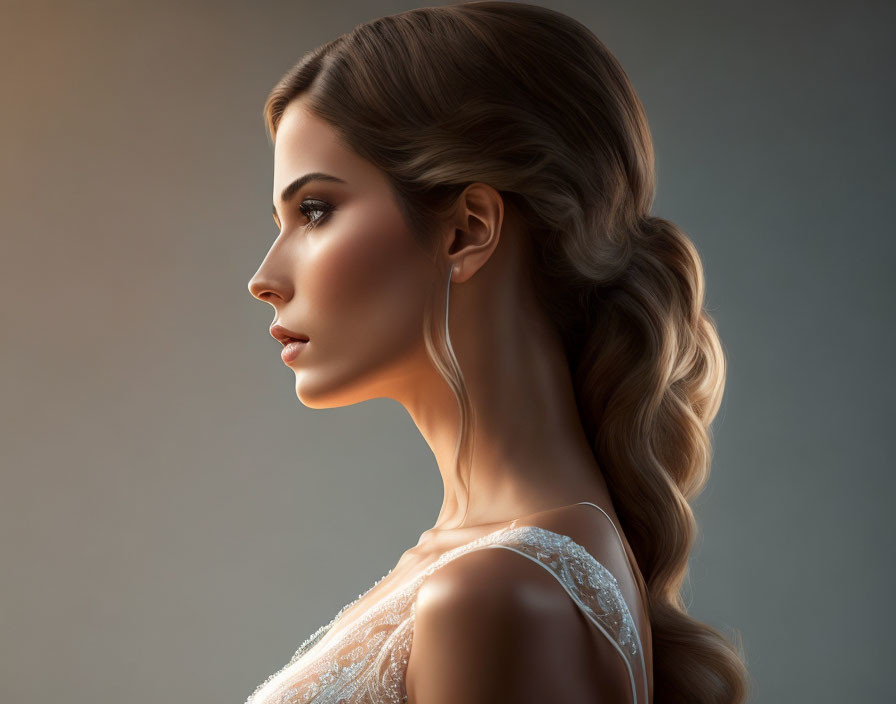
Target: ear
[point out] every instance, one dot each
(474, 230)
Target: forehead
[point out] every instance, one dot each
(305, 143)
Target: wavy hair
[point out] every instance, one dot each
(530, 101)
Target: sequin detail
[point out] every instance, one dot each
(367, 661)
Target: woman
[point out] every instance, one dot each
(463, 198)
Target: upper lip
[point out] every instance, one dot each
(286, 336)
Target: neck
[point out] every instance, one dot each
(529, 451)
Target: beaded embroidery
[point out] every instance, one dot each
(366, 663)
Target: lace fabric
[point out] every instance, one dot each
(367, 661)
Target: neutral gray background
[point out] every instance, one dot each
(175, 523)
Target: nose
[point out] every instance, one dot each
(273, 279)
(263, 288)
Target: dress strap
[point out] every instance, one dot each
(639, 580)
(608, 518)
(642, 588)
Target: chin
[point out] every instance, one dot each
(324, 397)
(345, 384)
(312, 400)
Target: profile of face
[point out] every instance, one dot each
(344, 270)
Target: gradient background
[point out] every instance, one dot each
(175, 523)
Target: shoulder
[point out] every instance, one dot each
(491, 625)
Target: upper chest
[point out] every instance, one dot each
(410, 566)
(369, 639)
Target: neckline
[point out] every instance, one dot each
(440, 559)
(565, 541)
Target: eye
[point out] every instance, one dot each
(309, 206)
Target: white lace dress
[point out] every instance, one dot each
(367, 662)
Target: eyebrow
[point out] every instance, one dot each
(292, 188)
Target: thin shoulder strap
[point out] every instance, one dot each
(628, 559)
(608, 518)
(639, 580)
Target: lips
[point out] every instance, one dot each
(292, 349)
(285, 335)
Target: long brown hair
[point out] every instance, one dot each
(528, 100)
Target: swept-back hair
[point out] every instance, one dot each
(529, 101)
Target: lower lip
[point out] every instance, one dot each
(292, 350)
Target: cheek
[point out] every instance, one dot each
(364, 287)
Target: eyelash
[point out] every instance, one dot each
(318, 206)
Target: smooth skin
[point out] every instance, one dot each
(345, 271)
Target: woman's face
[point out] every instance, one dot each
(344, 270)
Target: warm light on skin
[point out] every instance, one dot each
(346, 271)
(356, 282)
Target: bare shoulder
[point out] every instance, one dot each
(491, 625)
